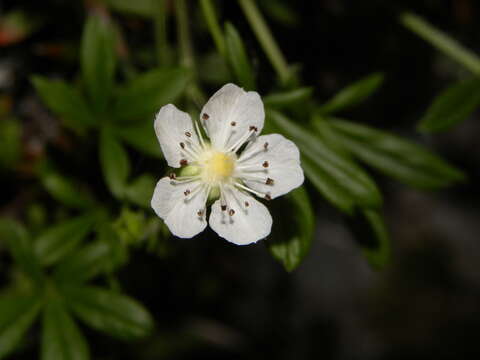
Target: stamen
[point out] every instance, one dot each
(233, 123)
(231, 212)
(182, 179)
(186, 192)
(247, 204)
(194, 192)
(183, 162)
(223, 207)
(172, 176)
(182, 145)
(253, 128)
(199, 133)
(200, 213)
(205, 116)
(258, 193)
(265, 164)
(269, 181)
(265, 146)
(268, 197)
(242, 140)
(188, 134)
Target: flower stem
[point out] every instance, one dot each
(213, 25)
(441, 41)
(160, 23)
(265, 38)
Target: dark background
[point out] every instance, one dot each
(214, 300)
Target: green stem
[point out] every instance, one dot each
(160, 22)
(442, 42)
(213, 25)
(265, 38)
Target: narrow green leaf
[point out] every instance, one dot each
(17, 314)
(290, 241)
(97, 59)
(144, 96)
(61, 338)
(84, 264)
(407, 162)
(65, 101)
(142, 137)
(353, 94)
(137, 7)
(442, 41)
(20, 246)
(452, 106)
(336, 177)
(115, 314)
(285, 99)
(140, 191)
(238, 59)
(379, 255)
(10, 142)
(59, 240)
(65, 190)
(114, 161)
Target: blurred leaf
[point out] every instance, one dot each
(15, 26)
(114, 161)
(137, 7)
(65, 101)
(65, 190)
(115, 314)
(213, 69)
(17, 314)
(61, 338)
(144, 96)
(379, 255)
(59, 240)
(353, 94)
(118, 250)
(280, 11)
(290, 240)
(10, 142)
(238, 59)
(339, 179)
(396, 157)
(98, 59)
(142, 137)
(452, 106)
(20, 246)
(285, 99)
(140, 191)
(84, 264)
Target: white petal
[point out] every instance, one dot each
(283, 168)
(170, 126)
(249, 223)
(179, 212)
(228, 105)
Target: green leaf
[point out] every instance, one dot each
(61, 338)
(452, 106)
(114, 161)
(285, 99)
(17, 314)
(394, 156)
(140, 191)
(20, 246)
(10, 142)
(144, 96)
(353, 94)
(339, 179)
(238, 58)
(84, 264)
(142, 137)
(379, 255)
(97, 57)
(59, 240)
(290, 240)
(115, 314)
(137, 7)
(65, 101)
(65, 190)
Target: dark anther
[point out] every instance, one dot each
(231, 212)
(200, 213)
(247, 204)
(188, 134)
(223, 207)
(269, 181)
(233, 123)
(268, 197)
(172, 176)
(265, 146)
(265, 164)
(254, 128)
(183, 162)
(182, 145)
(186, 192)
(205, 116)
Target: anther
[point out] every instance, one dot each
(186, 192)
(268, 197)
(172, 176)
(183, 162)
(223, 207)
(200, 213)
(253, 128)
(205, 116)
(233, 123)
(231, 212)
(269, 181)
(265, 146)
(247, 204)
(265, 164)
(188, 134)
(182, 145)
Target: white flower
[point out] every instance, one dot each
(268, 166)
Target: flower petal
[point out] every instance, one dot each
(250, 222)
(171, 126)
(179, 212)
(229, 114)
(283, 165)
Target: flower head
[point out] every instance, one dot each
(234, 164)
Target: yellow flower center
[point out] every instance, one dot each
(216, 166)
